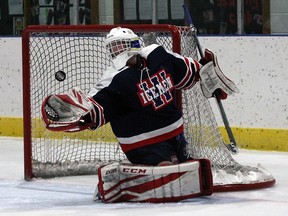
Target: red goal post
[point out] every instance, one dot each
(79, 51)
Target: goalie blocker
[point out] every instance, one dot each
(212, 78)
(136, 183)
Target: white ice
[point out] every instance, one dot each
(73, 195)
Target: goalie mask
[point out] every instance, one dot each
(121, 44)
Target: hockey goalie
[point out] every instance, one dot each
(136, 95)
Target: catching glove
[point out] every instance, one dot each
(68, 112)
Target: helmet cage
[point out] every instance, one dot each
(122, 45)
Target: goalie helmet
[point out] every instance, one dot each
(121, 44)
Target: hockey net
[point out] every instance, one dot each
(79, 51)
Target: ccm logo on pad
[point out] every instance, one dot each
(134, 170)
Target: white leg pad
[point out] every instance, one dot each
(134, 183)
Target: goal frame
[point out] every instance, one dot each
(28, 174)
(176, 47)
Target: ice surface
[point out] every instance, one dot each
(73, 195)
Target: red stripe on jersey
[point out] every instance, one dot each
(197, 67)
(197, 64)
(100, 113)
(188, 75)
(153, 140)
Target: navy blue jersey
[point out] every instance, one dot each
(140, 103)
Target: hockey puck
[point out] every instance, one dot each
(60, 76)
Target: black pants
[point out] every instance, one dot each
(173, 150)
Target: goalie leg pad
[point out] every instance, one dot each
(134, 183)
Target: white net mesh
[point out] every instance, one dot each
(82, 56)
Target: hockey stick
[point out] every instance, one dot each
(232, 145)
